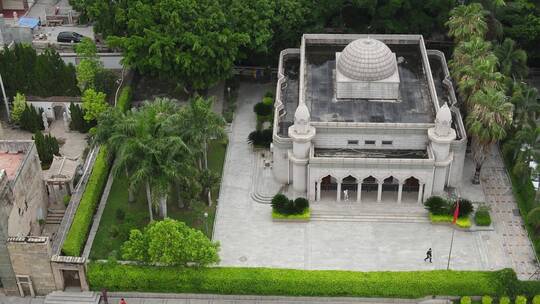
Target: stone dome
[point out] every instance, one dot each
(367, 59)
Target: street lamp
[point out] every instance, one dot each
(5, 98)
(206, 222)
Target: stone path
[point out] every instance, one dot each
(506, 217)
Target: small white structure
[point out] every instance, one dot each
(366, 128)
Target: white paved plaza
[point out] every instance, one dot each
(250, 238)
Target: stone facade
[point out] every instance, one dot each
(31, 256)
(397, 159)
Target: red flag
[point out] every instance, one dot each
(456, 212)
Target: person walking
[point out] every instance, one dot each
(429, 254)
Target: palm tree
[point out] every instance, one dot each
(209, 181)
(479, 75)
(512, 61)
(466, 22)
(487, 122)
(200, 124)
(468, 51)
(523, 147)
(525, 100)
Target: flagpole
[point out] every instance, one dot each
(451, 245)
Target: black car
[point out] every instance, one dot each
(72, 37)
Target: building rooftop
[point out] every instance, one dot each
(11, 162)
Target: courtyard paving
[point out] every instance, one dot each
(250, 238)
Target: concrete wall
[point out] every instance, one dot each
(30, 197)
(48, 107)
(31, 256)
(328, 137)
(7, 276)
(110, 61)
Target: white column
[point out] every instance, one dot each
(420, 193)
(379, 192)
(359, 192)
(338, 198)
(400, 190)
(318, 191)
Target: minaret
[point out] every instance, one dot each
(301, 133)
(441, 136)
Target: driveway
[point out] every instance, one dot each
(250, 238)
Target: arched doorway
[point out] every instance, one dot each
(349, 188)
(390, 189)
(328, 188)
(411, 187)
(370, 186)
(59, 110)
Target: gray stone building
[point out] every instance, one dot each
(366, 119)
(25, 255)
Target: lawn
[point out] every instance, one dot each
(119, 216)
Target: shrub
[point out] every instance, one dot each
(262, 109)
(487, 300)
(462, 222)
(19, 104)
(260, 138)
(536, 299)
(504, 300)
(80, 226)
(533, 218)
(465, 207)
(290, 282)
(437, 205)
(66, 200)
(120, 214)
(114, 231)
(305, 215)
(31, 120)
(482, 217)
(77, 119)
(269, 101)
(301, 204)
(280, 203)
(269, 94)
(124, 100)
(521, 300)
(47, 147)
(465, 300)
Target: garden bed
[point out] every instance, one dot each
(302, 217)
(462, 222)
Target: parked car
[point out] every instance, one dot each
(72, 37)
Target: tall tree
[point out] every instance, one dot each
(19, 104)
(487, 122)
(93, 104)
(512, 61)
(481, 74)
(467, 22)
(190, 41)
(468, 51)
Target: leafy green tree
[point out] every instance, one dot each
(93, 104)
(78, 122)
(487, 122)
(467, 22)
(31, 120)
(170, 242)
(190, 41)
(209, 180)
(512, 61)
(89, 65)
(19, 104)
(46, 146)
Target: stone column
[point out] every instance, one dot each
(359, 192)
(318, 190)
(420, 193)
(379, 192)
(400, 190)
(338, 198)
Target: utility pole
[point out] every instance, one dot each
(5, 98)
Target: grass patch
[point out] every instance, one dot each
(462, 222)
(306, 215)
(114, 231)
(288, 282)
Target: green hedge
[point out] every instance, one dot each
(266, 281)
(76, 237)
(305, 215)
(124, 100)
(462, 222)
(482, 217)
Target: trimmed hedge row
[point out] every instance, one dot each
(462, 222)
(78, 232)
(124, 100)
(266, 281)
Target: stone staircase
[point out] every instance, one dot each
(368, 213)
(54, 216)
(69, 297)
